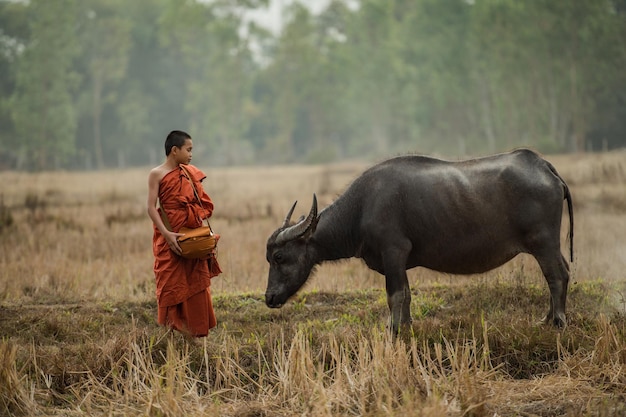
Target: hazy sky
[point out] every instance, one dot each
(271, 18)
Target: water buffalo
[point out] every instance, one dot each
(463, 217)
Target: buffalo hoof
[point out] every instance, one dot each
(555, 321)
(398, 329)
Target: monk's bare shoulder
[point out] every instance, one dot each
(157, 173)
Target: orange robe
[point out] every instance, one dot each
(183, 285)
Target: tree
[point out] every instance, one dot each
(106, 42)
(211, 63)
(435, 51)
(42, 105)
(539, 83)
(14, 32)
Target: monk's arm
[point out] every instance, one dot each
(153, 213)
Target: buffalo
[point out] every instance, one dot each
(462, 217)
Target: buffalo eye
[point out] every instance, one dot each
(278, 257)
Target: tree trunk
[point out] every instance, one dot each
(486, 115)
(97, 114)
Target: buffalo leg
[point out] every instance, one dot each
(555, 270)
(397, 286)
(399, 301)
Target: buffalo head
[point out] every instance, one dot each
(289, 257)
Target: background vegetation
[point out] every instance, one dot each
(78, 332)
(99, 83)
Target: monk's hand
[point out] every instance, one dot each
(172, 242)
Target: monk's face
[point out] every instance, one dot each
(183, 154)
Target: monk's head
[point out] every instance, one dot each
(176, 138)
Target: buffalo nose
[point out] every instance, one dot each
(270, 301)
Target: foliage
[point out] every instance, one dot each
(41, 104)
(100, 83)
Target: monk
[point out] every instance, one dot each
(182, 285)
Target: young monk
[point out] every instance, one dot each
(182, 285)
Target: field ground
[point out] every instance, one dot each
(77, 311)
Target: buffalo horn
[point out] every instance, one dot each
(300, 228)
(288, 218)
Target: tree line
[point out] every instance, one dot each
(89, 84)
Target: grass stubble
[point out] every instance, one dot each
(77, 312)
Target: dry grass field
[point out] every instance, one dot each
(78, 333)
